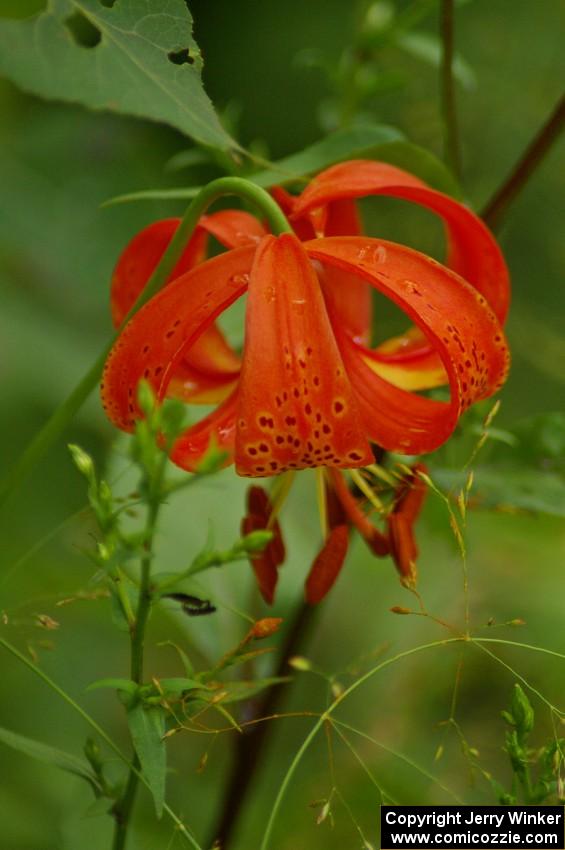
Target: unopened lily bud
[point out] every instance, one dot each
(265, 628)
(399, 609)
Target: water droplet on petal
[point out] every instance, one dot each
(298, 306)
(238, 280)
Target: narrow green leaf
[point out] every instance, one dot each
(49, 755)
(376, 142)
(179, 684)
(128, 58)
(126, 685)
(361, 142)
(147, 727)
(238, 691)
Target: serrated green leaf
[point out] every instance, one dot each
(49, 755)
(126, 59)
(147, 727)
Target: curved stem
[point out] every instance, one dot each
(59, 420)
(452, 147)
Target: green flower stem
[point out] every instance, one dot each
(27, 662)
(59, 420)
(452, 144)
(123, 808)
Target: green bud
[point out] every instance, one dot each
(92, 753)
(82, 461)
(522, 711)
(256, 541)
(298, 662)
(146, 397)
(173, 416)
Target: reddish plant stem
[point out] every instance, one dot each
(495, 209)
(250, 745)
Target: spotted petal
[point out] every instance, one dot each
(472, 250)
(296, 407)
(161, 334)
(453, 316)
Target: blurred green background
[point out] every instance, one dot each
(57, 250)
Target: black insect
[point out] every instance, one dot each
(192, 605)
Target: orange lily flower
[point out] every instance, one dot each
(308, 390)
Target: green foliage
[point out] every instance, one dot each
(123, 58)
(50, 755)
(523, 469)
(368, 141)
(547, 762)
(147, 728)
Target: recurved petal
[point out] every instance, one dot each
(296, 407)
(140, 258)
(472, 250)
(455, 318)
(351, 295)
(161, 334)
(233, 228)
(215, 430)
(327, 565)
(407, 361)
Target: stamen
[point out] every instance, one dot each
(279, 493)
(322, 501)
(383, 474)
(367, 490)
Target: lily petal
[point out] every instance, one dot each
(407, 506)
(265, 564)
(211, 365)
(161, 334)
(472, 250)
(327, 565)
(455, 318)
(296, 406)
(140, 258)
(407, 362)
(217, 429)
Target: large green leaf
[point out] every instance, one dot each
(49, 755)
(147, 727)
(127, 58)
